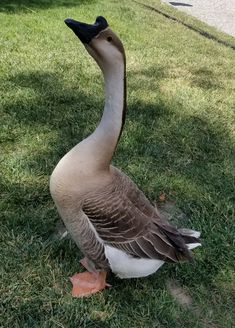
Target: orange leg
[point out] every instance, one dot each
(87, 283)
(87, 265)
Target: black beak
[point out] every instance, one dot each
(86, 32)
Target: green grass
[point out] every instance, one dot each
(179, 139)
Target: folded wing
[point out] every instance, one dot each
(125, 219)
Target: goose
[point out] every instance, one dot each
(112, 222)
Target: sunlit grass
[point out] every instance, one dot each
(179, 139)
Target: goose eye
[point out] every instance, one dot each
(109, 38)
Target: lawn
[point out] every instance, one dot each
(179, 140)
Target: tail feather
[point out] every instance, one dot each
(183, 240)
(190, 232)
(193, 245)
(191, 237)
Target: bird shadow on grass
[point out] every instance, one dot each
(14, 6)
(58, 109)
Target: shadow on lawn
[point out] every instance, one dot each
(31, 5)
(66, 111)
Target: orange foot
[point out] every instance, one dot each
(87, 283)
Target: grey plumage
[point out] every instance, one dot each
(124, 218)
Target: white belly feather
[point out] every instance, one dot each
(127, 266)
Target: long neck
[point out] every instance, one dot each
(102, 143)
(113, 118)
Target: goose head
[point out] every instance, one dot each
(100, 42)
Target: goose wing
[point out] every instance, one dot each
(124, 218)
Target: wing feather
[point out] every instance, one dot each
(124, 218)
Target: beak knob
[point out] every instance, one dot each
(86, 32)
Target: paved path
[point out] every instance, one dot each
(218, 13)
